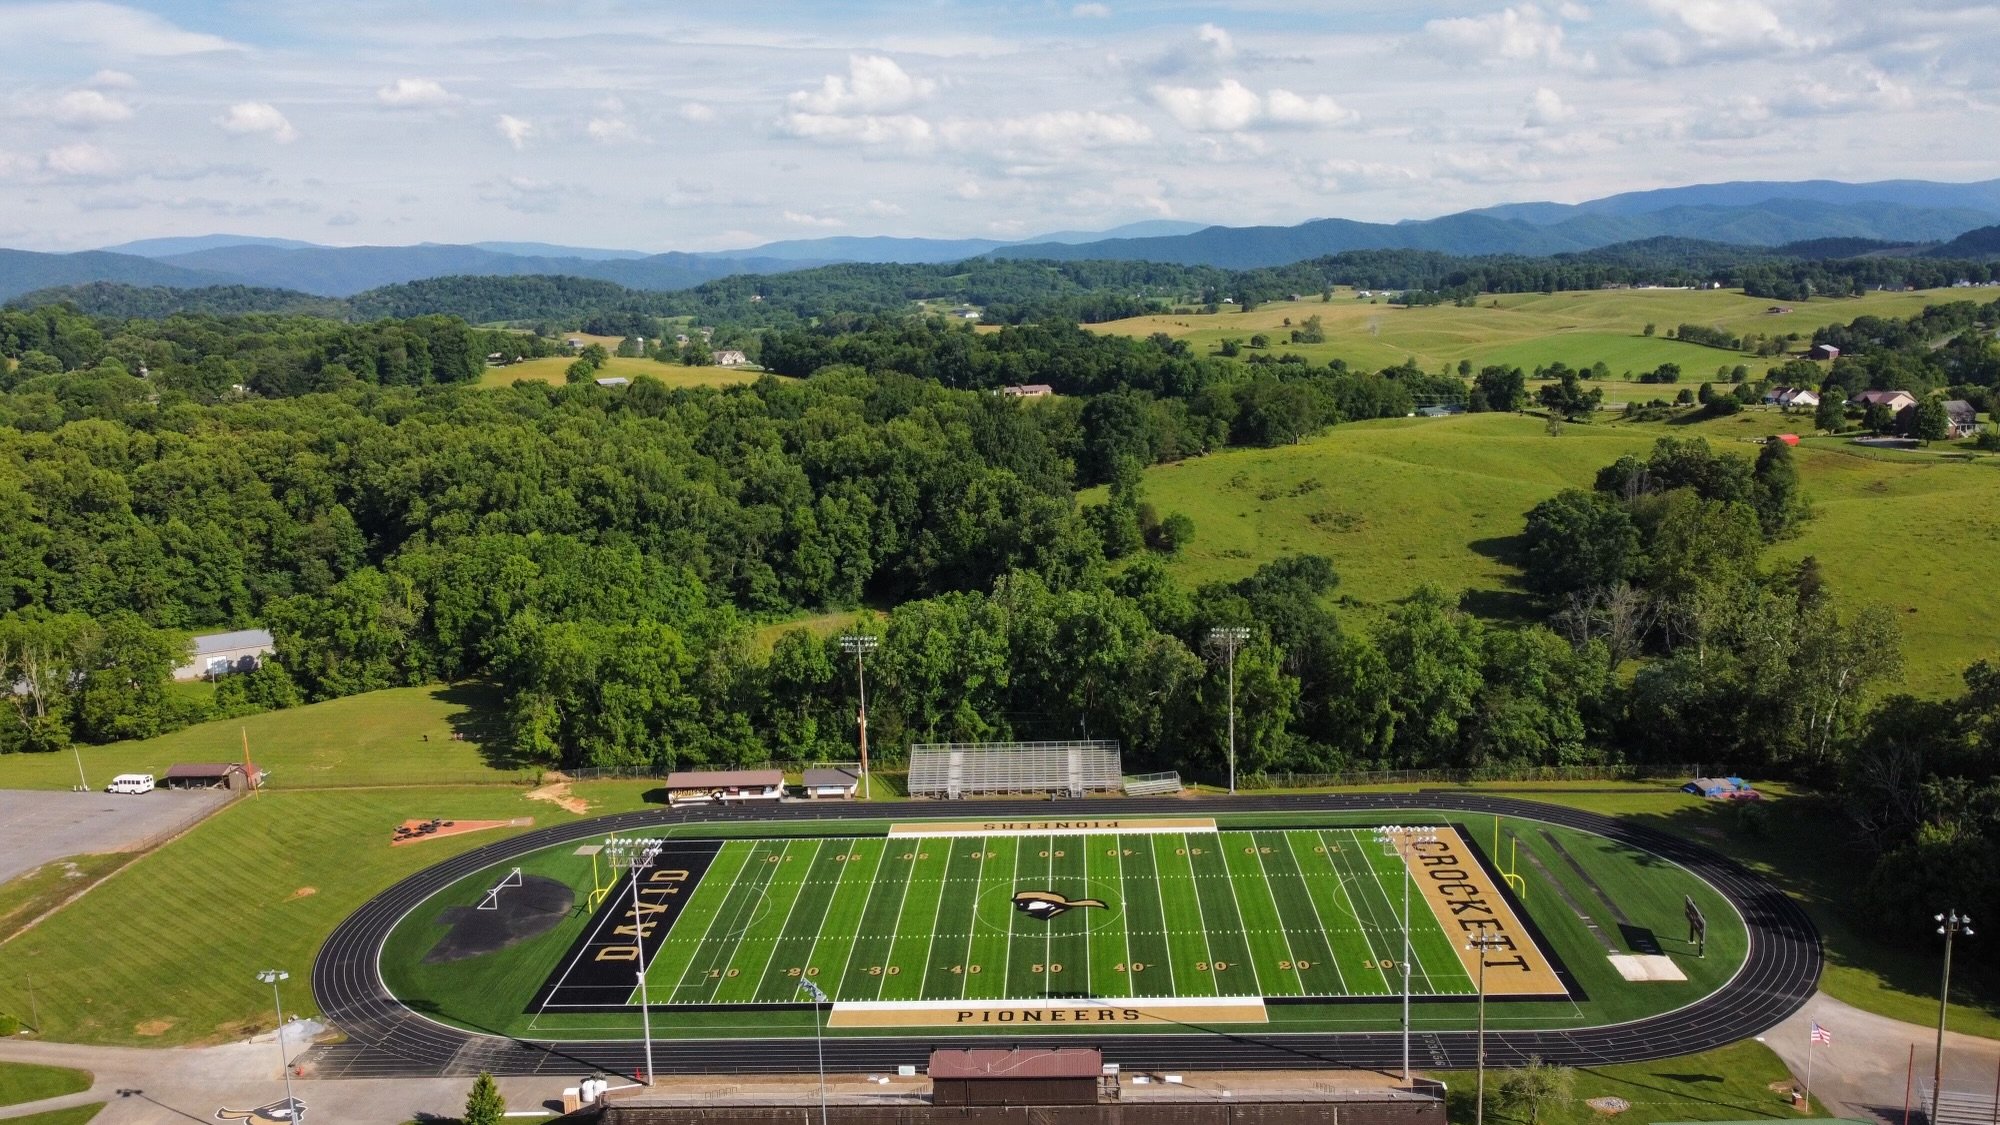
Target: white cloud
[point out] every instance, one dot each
(902, 130)
(514, 129)
(416, 93)
(116, 79)
(1523, 33)
(1547, 108)
(1216, 40)
(873, 85)
(1091, 11)
(883, 209)
(610, 130)
(526, 195)
(1696, 31)
(81, 161)
(1361, 175)
(1232, 107)
(111, 28)
(78, 109)
(697, 112)
(804, 219)
(254, 118)
(1859, 90)
(1054, 131)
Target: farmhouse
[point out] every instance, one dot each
(837, 782)
(1961, 419)
(212, 775)
(724, 787)
(730, 357)
(1896, 401)
(1791, 397)
(1823, 351)
(1028, 390)
(219, 654)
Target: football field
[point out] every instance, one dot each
(970, 917)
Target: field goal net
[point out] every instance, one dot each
(971, 769)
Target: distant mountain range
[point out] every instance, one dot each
(1918, 215)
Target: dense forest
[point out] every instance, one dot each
(1011, 291)
(604, 554)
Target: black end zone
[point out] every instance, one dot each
(527, 911)
(601, 970)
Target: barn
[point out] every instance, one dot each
(211, 775)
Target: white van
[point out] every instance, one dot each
(131, 783)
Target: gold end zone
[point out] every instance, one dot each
(1467, 901)
(1024, 1014)
(1116, 826)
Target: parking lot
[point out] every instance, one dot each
(37, 826)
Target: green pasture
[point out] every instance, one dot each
(21, 1083)
(555, 368)
(491, 991)
(31, 895)
(401, 736)
(1529, 329)
(1400, 502)
(166, 952)
(80, 1115)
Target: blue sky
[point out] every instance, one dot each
(663, 126)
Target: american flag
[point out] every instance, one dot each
(1821, 1036)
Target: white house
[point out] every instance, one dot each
(1791, 397)
(614, 381)
(219, 654)
(730, 357)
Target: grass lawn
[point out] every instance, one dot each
(765, 638)
(1529, 329)
(166, 952)
(1399, 502)
(1731, 1084)
(402, 736)
(553, 369)
(79, 1115)
(28, 897)
(27, 1082)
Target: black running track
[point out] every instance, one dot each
(385, 1039)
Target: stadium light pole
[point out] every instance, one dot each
(1480, 945)
(272, 977)
(1229, 638)
(638, 856)
(861, 644)
(819, 1043)
(1400, 839)
(1950, 924)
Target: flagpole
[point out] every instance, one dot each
(1810, 1040)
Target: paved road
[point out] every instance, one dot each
(1863, 1072)
(386, 1039)
(38, 826)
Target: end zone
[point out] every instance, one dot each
(1469, 902)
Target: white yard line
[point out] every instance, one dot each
(694, 957)
(1118, 853)
(1249, 950)
(972, 923)
(786, 926)
(1340, 881)
(937, 918)
(874, 879)
(1284, 931)
(1208, 950)
(896, 927)
(1416, 899)
(1007, 959)
(1332, 952)
(1166, 942)
(819, 931)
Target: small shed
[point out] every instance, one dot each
(212, 775)
(614, 381)
(837, 782)
(220, 654)
(1037, 1076)
(724, 787)
(1722, 789)
(1823, 351)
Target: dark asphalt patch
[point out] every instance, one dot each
(527, 911)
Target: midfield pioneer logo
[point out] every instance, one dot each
(1048, 904)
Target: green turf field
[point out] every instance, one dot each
(26, 1082)
(1277, 913)
(1322, 928)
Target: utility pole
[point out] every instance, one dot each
(1229, 638)
(638, 855)
(1480, 945)
(1950, 924)
(818, 999)
(861, 644)
(272, 977)
(1400, 840)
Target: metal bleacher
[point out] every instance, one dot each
(1153, 784)
(970, 769)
